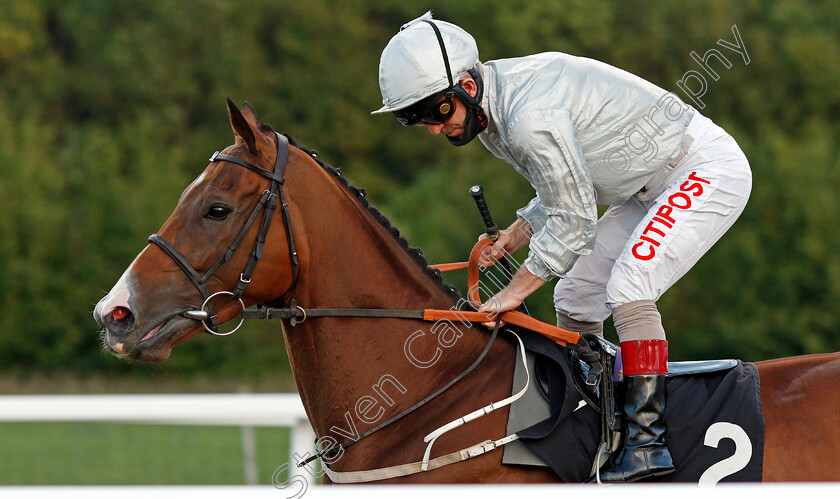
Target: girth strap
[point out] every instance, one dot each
(418, 466)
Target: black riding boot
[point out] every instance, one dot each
(644, 453)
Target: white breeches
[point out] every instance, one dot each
(646, 244)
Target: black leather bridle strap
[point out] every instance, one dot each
(267, 203)
(278, 176)
(290, 238)
(236, 242)
(198, 280)
(180, 261)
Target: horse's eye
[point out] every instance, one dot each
(217, 212)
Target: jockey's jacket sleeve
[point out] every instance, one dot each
(582, 133)
(563, 215)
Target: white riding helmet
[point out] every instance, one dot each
(411, 67)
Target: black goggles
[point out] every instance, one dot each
(432, 110)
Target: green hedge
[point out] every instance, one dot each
(108, 108)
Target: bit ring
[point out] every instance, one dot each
(204, 323)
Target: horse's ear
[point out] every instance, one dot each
(249, 114)
(241, 125)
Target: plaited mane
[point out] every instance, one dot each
(360, 196)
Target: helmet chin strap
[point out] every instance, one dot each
(471, 130)
(476, 119)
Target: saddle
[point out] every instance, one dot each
(571, 418)
(596, 380)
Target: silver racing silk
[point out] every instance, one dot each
(583, 133)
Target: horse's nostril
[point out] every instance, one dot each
(119, 321)
(120, 313)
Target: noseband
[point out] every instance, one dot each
(269, 201)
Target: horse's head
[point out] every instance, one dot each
(163, 296)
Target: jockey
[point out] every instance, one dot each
(584, 133)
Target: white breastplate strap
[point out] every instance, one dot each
(430, 464)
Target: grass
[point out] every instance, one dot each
(135, 454)
(138, 382)
(120, 454)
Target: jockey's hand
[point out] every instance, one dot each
(511, 239)
(497, 250)
(498, 304)
(523, 284)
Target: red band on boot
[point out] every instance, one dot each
(644, 357)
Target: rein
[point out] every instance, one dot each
(297, 314)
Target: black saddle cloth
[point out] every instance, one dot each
(715, 423)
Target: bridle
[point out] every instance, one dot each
(268, 200)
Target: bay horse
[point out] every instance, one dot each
(331, 249)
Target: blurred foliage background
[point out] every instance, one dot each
(108, 109)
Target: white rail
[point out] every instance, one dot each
(246, 410)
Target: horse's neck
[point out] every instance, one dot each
(349, 368)
(350, 259)
(358, 263)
